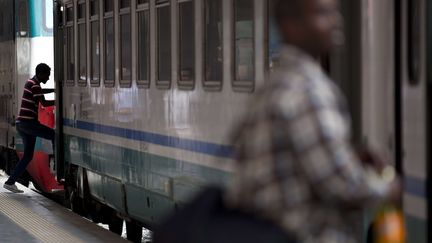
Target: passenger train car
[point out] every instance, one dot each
(149, 90)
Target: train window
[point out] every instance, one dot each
(82, 54)
(109, 52)
(244, 56)
(164, 46)
(125, 50)
(94, 7)
(23, 19)
(81, 11)
(213, 44)
(109, 6)
(48, 18)
(82, 44)
(70, 59)
(187, 44)
(69, 14)
(143, 49)
(125, 3)
(59, 14)
(95, 53)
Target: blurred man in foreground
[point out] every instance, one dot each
(296, 166)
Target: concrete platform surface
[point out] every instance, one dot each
(30, 217)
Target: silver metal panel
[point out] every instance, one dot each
(378, 75)
(260, 42)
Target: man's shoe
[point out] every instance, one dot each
(13, 188)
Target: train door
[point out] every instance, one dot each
(59, 79)
(413, 77)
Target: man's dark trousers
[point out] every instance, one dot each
(29, 130)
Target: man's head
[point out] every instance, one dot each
(312, 25)
(43, 72)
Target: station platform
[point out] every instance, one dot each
(31, 217)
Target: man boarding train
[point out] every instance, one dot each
(27, 122)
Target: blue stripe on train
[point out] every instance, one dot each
(413, 186)
(217, 150)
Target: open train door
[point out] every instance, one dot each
(58, 79)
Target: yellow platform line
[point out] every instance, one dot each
(33, 223)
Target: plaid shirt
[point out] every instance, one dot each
(295, 165)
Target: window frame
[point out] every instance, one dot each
(212, 85)
(44, 18)
(124, 11)
(69, 25)
(186, 84)
(140, 8)
(162, 84)
(80, 22)
(108, 83)
(23, 18)
(93, 19)
(247, 86)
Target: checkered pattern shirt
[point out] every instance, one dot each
(295, 165)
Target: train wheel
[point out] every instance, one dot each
(116, 225)
(133, 232)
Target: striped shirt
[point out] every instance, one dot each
(31, 98)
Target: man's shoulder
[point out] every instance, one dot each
(297, 92)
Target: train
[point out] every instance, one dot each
(148, 92)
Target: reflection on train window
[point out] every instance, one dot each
(164, 44)
(82, 63)
(125, 49)
(143, 48)
(213, 41)
(94, 7)
(109, 6)
(244, 40)
(95, 53)
(109, 50)
(187, 41)
(70, 55)
(125, 3)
